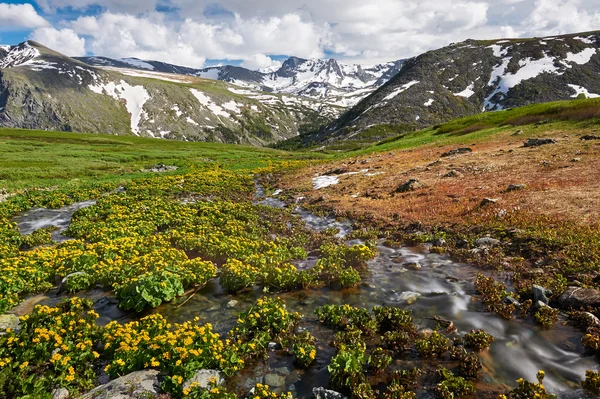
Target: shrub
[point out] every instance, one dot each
(452, 387)
(478, 340)
(592, 382)
(346, 368)
(379, 360)
(237, 276)
(434, 345)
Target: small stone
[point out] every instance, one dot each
(322, 393)
(486, 242)
(576, 160)
(232, 304)
(413, 265)
(60, 393)
(591, 320)
(409, 297)
(518, 133)
(272, 346)
(453, 173)
(204, 377)
(161, 168)
(489, 201)
(538, 142)
(509, 300)
(457, 151)
(516, 187)
(409, 185)
(439, 242)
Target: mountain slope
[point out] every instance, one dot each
(325, 80)
(42, 89)
(475, 76)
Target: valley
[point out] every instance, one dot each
(425, 228)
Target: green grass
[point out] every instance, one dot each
(42, 159)
(533, 120)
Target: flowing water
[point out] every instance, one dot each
(40, 218)
(441, 287)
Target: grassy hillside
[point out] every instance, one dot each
(572, 115)
(30, 158)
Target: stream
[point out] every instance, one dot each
(441, 287)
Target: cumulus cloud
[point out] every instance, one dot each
(191, 31)
(261, 62)
(65, 41)
(20, 16)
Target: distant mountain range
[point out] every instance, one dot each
(322, 100)
(472, 77)
(327, 80)
(42, 89)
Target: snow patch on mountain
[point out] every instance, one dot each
(207, 102)
(468, 92)
(137, 63)
(582, 90)
(400, 89)
(582, 57)
(134, 97)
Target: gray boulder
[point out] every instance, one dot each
(60, 393)
(139, 384)
(577, 297)
(541, 294)
(322, 393)
(204, 377)
(9, 321)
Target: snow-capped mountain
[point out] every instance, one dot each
(42, 89)
(476, 76)
(326, 80)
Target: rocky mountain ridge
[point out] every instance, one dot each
(42, 89)
(472, 77)
(331, 81)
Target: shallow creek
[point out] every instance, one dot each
(441, 287)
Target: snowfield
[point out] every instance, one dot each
(135, 97)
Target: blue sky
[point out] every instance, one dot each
(262, 33)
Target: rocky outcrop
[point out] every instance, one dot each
(577, 297)
(139, 384)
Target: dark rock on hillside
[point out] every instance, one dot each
(589, 137)
(457, 151)
(538, 142)
(409, 185)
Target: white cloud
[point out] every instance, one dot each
(261, 62)
(64, 40)
(20, 16)
(354, 30)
